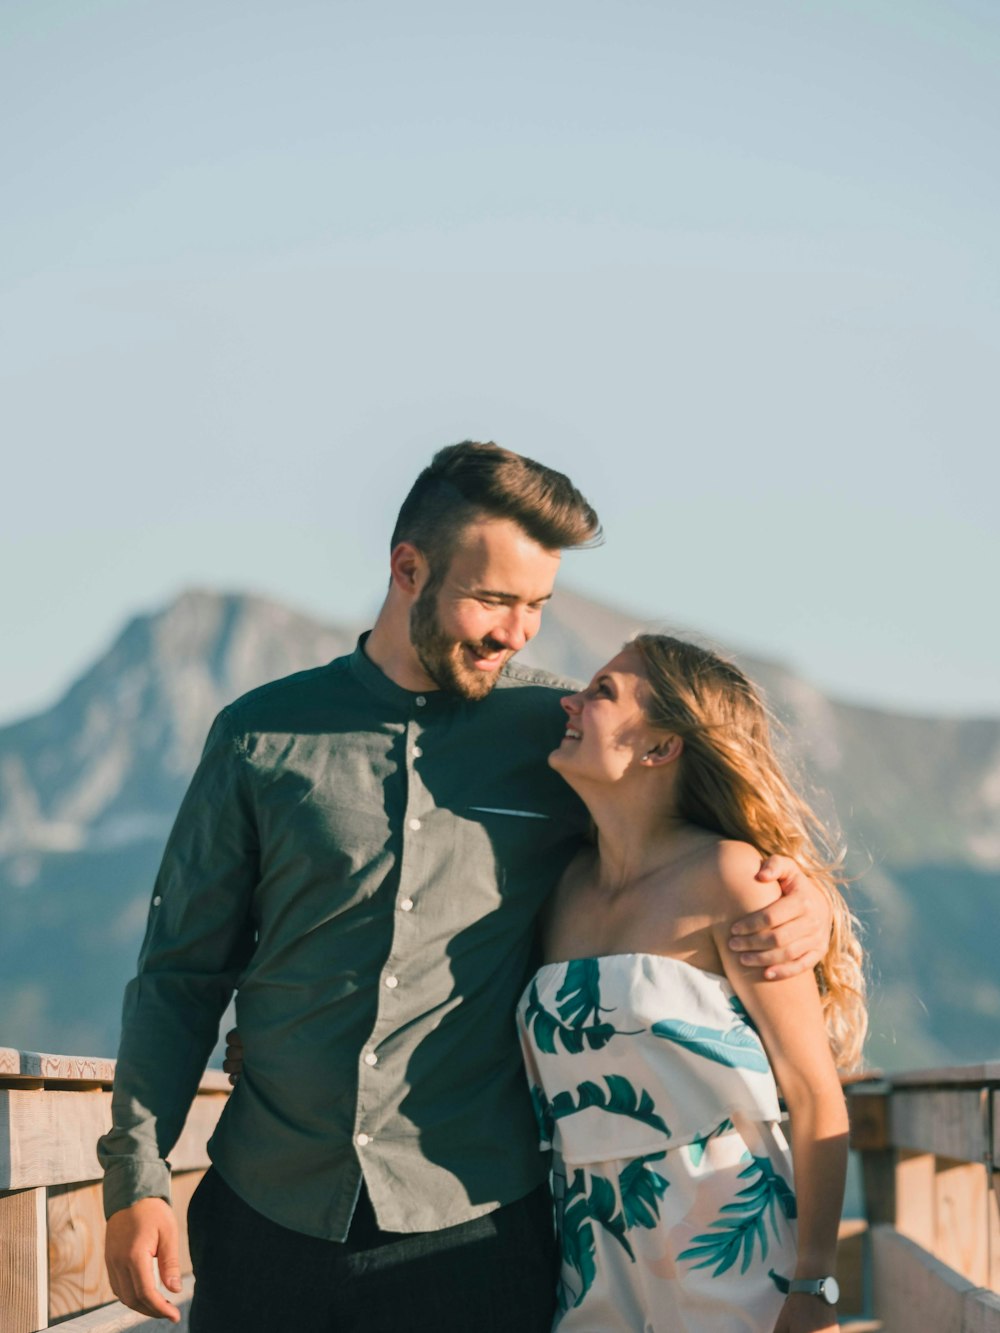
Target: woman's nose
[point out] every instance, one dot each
(572, 703)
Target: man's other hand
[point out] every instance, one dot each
(792, 933)
(137, 1236)
(233, 1063)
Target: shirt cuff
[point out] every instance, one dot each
(125, 1183)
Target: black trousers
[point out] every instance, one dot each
(496, 1274)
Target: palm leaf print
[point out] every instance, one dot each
(696, 1148)
(738, 1048)
(620, 1098)
(543, 1114)
(604, 1209)
(580, 993)
(641, 1189)
(740, 1010)
(576, 1240)
(580, 1001)
(738, 1233)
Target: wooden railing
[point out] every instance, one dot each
(53, 1109)
(925, 1259)
(929, 1145)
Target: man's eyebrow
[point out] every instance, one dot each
(509, 596)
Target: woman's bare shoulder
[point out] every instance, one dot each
(730, 868)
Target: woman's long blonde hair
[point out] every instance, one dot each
(730, 781)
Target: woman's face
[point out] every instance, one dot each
(607, 731)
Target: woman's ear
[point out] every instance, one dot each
(664, 752)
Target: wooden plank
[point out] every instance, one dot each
(947, 1122)
(77, 1277)
(49, 1137)
(852, 1240)
(914, 1292)
(35, 1066)
(915, 1177)
(878, 1173)
(950, 1075)
(189, 1153)
(117, 1318)
(24, 1298)
(960, 1219)
(182, 1185)
(981, 1313)
(868, 1110)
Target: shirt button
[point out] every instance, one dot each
(362, 1140)
(406, 905)
(420, 701)
(414, 824)
(371, 1058)
(157, 900)
(392, 982)
(416, 752)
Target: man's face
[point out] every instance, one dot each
(465, 625)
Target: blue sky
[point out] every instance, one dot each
(733, 267)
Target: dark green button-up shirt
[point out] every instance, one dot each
(364, 866)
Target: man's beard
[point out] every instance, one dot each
(443, 658)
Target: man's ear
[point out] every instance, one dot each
(666, 751)
(408, 569)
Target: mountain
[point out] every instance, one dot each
(88, 791)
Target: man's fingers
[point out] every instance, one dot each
(776, 867)
(233, 1037)
(147, 1299)
(792, 967)
(134, 1286)
(169, 1264)
(778, 913)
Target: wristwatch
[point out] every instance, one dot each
(826, 1288)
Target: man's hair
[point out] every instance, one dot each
(470, 480)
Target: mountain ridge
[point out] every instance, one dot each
(89, 787)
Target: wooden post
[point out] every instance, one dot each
(24, 1294)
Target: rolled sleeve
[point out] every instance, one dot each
(198, 940)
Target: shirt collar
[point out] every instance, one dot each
(375, 680)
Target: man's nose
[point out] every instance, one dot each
(514, 632)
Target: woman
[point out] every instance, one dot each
(650, 1050)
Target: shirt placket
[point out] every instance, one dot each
(396, 977)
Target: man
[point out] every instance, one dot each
(361, 855)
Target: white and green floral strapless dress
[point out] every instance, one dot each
(671, 1174)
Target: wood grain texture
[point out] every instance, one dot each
(868, 1109)
(982, 1313)
(33, 1066)
(914, 1292)
(852, 1241)
(49, 1136)
(117, 1318)
(915, 1175)
(189, 1152)
(961, 1236)
(23, 1270)
(77, 1277)
(947, 1122)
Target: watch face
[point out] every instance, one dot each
(830, 1290)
